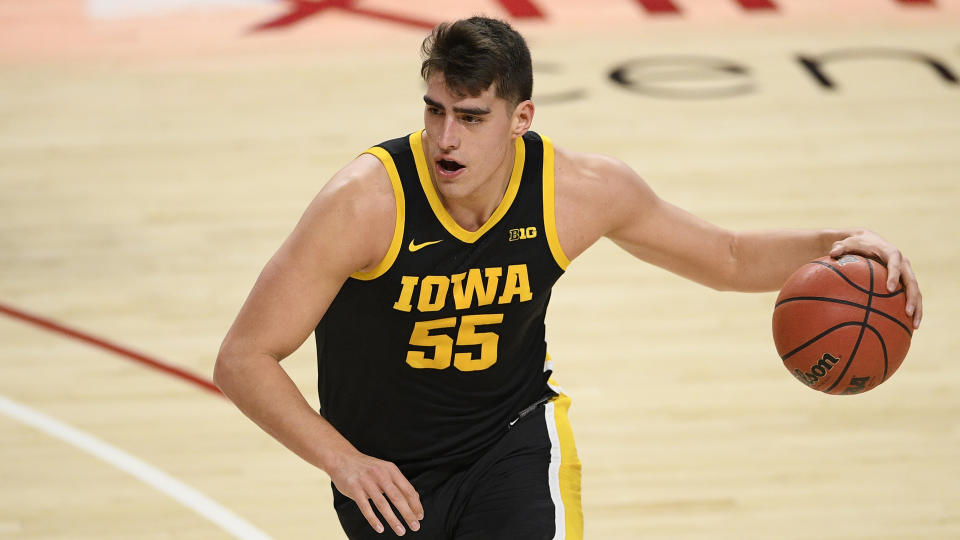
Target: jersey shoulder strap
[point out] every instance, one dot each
(397, 159)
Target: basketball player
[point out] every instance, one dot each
(425, 268)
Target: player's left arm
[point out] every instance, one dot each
(600, 196)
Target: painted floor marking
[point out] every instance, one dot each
(161, 481)
(101, 343)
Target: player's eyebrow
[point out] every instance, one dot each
(475, 111)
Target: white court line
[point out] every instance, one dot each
(175, 489)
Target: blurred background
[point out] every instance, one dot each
(155, 153)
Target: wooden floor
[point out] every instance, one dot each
(151, 163)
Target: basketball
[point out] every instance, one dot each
(837, 328)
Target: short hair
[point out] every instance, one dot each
(474, 53)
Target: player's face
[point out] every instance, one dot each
(469, 140)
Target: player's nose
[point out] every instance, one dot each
(448, 138)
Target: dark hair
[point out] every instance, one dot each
(474, 53)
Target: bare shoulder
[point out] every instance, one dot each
(362, 185)
(595, 195)
(353, 215)
(590, 171)
(346, 228)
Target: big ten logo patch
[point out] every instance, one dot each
(522, 233)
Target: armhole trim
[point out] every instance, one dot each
(395, 244)
(549, 205)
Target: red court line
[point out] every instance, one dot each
(78, 335)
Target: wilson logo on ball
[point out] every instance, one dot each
(817, 371)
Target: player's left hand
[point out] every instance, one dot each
(870, 244)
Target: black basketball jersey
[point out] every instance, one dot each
(425, 359)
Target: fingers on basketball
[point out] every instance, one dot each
(837, 328)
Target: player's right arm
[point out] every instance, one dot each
(346, 228)
(597, 196)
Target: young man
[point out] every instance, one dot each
(425, 268)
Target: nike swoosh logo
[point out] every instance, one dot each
(417, 247)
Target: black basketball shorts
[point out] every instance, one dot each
(527, 486)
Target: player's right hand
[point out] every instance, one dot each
(369, 480)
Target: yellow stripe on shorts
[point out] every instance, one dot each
(564, 471)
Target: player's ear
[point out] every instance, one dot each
(522, 118)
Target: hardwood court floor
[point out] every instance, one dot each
(149, 166)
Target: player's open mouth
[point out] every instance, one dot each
(448, 167)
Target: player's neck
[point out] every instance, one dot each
(475, 207)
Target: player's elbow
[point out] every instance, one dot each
(222, 373)
(729, 274)
(239, 365)
(741, 270)
(228, 367)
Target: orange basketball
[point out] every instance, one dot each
(837, 328)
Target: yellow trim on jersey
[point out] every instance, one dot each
(549, 205)
(395, 244)
(570, 470)
(436, 204)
